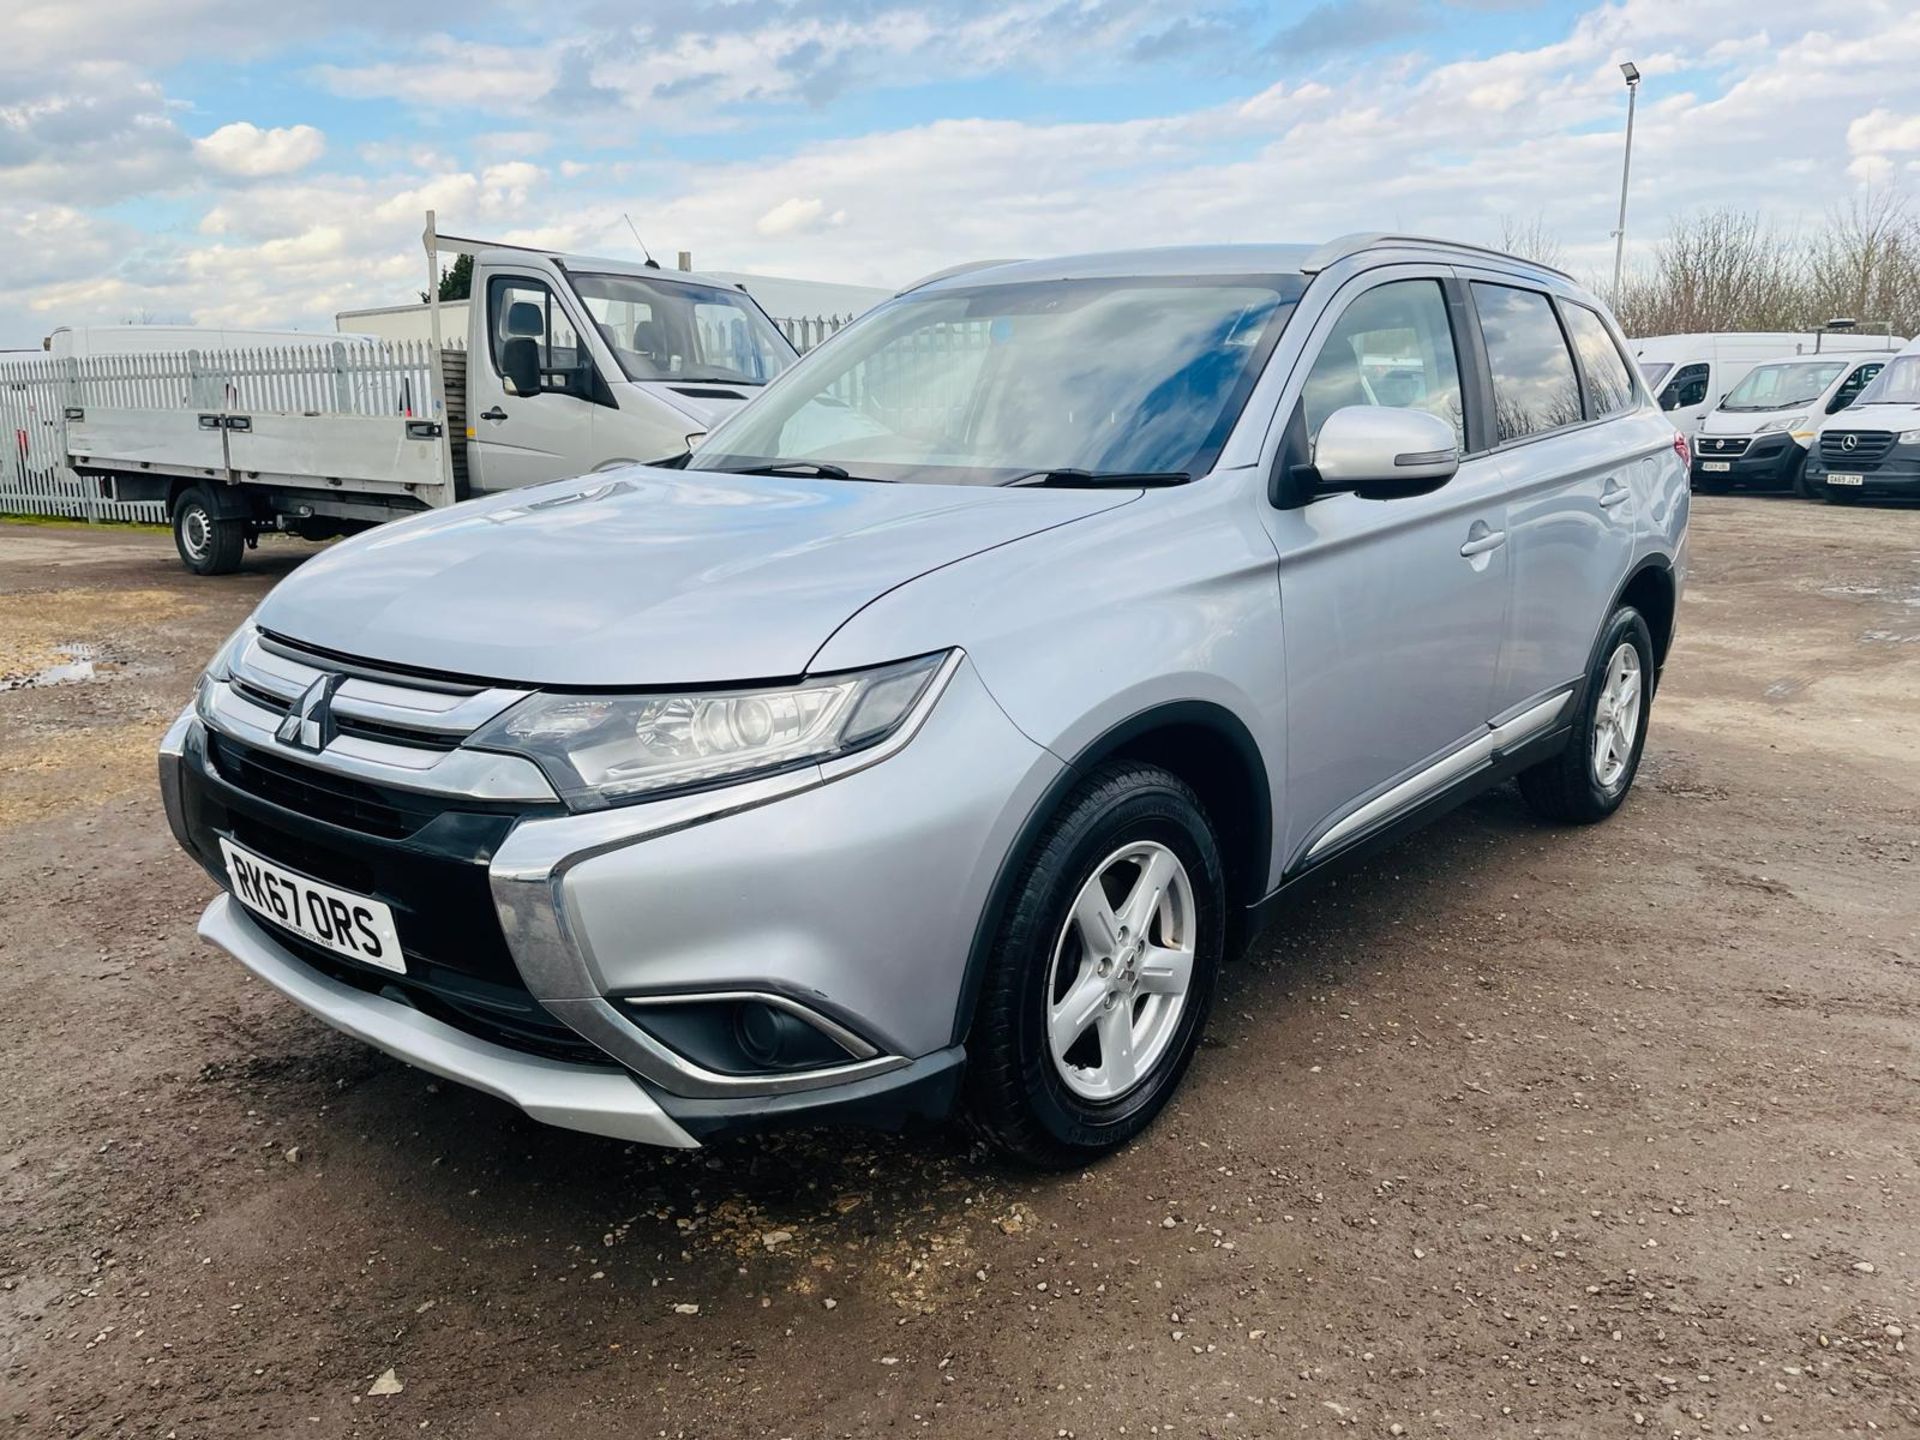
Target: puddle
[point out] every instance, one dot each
(77, 663)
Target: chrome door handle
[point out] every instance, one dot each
(496, 413)
(1481, 544)
(1615, 495)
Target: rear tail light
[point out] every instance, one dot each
(1682, 449)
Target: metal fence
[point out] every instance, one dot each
(336, 378)
(807, 331)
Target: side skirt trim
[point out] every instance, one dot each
(1468, 758)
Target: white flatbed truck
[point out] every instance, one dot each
(569, 365)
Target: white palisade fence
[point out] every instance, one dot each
(336, 378)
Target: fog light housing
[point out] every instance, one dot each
(747, 1033)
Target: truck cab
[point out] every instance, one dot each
(575, 364)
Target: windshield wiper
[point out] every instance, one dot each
(1071, 479)
(825, 470)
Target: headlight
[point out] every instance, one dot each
(605, 749)
(1792, 422)
(1910, 437)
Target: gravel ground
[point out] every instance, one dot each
(1514, 1131)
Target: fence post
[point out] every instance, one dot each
(342, 400)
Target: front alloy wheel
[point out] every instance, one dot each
(1102, 971)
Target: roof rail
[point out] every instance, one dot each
(1364, 240)
(951, 271)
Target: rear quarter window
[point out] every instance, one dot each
(1609, 384)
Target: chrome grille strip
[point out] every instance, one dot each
(389, 703)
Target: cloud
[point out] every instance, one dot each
(793, 215)
(243, 149)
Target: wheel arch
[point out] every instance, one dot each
(1207, 746)
(1650, 589)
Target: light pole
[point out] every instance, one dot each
(1632, 73)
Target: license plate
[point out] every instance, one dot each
(338, 920)
(1833, 479)
(1716, 465)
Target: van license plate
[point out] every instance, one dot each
(338, 920)
(1716, 465)
(1833, 479)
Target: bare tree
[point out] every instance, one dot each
(1531, 240)
(1866, 263)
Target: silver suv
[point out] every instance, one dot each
(928, 738)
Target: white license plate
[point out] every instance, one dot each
(1833, 479)
(345, 923)
(1716, 465)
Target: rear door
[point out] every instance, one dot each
(1557, 377)
(1392, 611)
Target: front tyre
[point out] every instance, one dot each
(1588, 779)
(208, 544)
(1101, 977)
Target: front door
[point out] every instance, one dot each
(522, 439)
(1392, 610)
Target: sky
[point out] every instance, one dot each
(225, 162)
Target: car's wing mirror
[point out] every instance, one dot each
(520, 364)
(1374, 450)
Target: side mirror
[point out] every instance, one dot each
(1372, 449)
(520, 364)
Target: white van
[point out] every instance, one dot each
(1757, 436)
(1690, 374)
(1874, 448)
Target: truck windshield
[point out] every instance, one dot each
(1775, 387)
(1898, 384)
(671, 330)
(986, 385)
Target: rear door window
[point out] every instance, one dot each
(1609, 383)
(1534, 385)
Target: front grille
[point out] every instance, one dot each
(1869, 447)
(1722, 446)
(322, 794)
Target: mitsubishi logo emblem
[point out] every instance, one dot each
(309, 723)
(1849, 442)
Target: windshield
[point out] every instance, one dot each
(1655, 371)
(670, 330)
(1775, 387)
(1898, 384)
(989, 384)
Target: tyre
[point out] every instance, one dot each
(1588, 779)
(1102, 973)
(208, 543)
(1801, 486)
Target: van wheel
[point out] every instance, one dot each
(208, 544)
(1588, 779)
(1801, 486)
(1103, 972)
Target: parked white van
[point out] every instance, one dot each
(1690, 374)
(1758, 435)
(1874, 448)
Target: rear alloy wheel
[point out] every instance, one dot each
(208, 543)
(1589, 778)
(1103, 971)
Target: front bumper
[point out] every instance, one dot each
(539, 941)
(1896, 473)
(1770, 461)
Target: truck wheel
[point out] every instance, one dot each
(208, 544)
(1102, 973)
(1801, 485)
(1587, 780)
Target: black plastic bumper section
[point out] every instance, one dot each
(1895, 473)
(1771, 460)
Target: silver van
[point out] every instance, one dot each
(928, 738)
